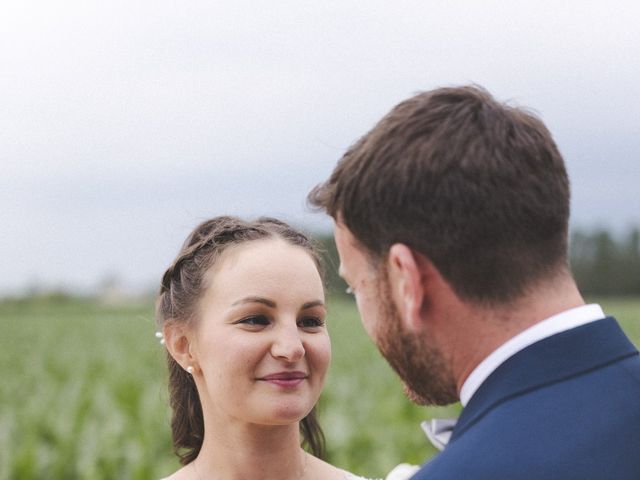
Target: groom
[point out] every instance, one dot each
(451, 219)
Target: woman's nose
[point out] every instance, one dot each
(287, 344)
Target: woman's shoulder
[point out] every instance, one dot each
(181, 474)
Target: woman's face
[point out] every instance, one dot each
(261, 345)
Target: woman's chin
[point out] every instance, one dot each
(286, 413)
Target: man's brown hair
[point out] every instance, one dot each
(477, 186)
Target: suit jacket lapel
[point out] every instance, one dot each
(551, 360)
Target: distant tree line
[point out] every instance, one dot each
(602, 263)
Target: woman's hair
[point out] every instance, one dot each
(183, 285)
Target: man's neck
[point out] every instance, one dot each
(486, 329)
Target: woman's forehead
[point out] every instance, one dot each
(271, 267)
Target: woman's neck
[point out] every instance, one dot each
(237, 451)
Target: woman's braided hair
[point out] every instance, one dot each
(183, 285)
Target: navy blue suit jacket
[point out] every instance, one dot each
(565, 408)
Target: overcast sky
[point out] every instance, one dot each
(123, 124)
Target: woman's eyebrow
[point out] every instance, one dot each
(315, 303)
(262, 300)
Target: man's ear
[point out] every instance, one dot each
(407, 283)
(178, 343)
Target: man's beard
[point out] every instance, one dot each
(422, 367)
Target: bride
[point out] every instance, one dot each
(242, 313)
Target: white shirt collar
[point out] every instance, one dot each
(557, 323)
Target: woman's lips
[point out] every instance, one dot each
(285, 379)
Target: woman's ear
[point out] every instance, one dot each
(178, 343)
(406, 281)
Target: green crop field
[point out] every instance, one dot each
(82, 394)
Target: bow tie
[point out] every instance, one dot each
(439, 430)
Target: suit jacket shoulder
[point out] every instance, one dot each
(567, 407)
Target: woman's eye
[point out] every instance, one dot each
(310, 322)
(260, 320)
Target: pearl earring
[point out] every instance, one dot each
(190, 370)
(160, 337)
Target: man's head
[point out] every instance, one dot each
(476, 187)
